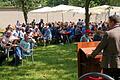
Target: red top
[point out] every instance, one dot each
(67, 33)
(92, 78)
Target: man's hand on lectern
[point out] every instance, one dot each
(89, 57)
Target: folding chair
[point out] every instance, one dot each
(1, 49)
(29, 54)
(8, 50)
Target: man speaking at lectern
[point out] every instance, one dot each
(110, 45)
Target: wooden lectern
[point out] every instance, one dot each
(85, 65)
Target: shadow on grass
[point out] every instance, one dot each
(55, 62)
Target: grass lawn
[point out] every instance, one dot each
(54, 62)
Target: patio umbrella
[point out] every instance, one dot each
(80, 10)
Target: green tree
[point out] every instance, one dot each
(57, 2)
(52, 3)
(26, 6)
(81, 3)
(95, 3)
(114, 2)
(77, 2)
(44, 3)
(5, 3)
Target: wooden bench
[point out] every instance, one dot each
(84, 65)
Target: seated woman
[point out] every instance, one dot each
(7, 44)
(6, 41)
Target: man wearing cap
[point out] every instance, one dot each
(110, 45)
(86, 37)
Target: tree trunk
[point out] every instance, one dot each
(87, 15)
(25, 12)
(25, 16)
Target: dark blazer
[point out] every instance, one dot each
(110, 45)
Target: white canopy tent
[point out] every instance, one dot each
(80, 10)
(78, 13)
(104, 11)
(59, 13)
(60, 10)
(71, 13)
(64, 9)
(115, 10)
(99, 9)
(42, 10)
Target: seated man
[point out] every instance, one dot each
(71, 31)
(25, 45)
(24, 48)
(47, 35)
(86, 37)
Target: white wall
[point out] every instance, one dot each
(10, 17)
